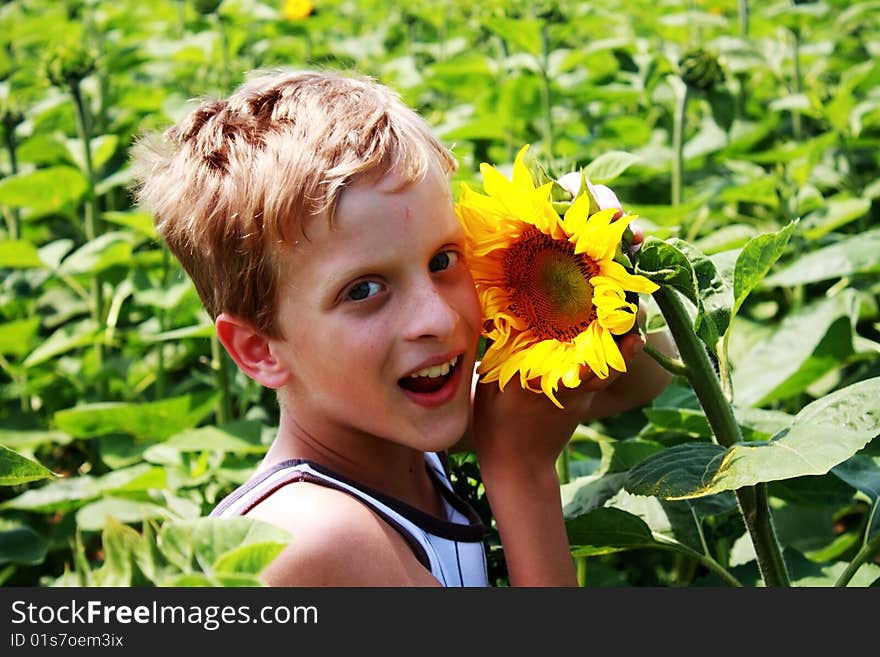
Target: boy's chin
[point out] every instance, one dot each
(442, 439)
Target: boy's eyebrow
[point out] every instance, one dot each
(370, 266)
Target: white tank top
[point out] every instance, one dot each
(451, 549)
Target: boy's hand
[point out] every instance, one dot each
(522, 426)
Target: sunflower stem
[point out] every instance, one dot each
(796, 62)
(668, 543)
(868, 549)
(92, 227)
(581, 569)
(753, 500)
(546, 93)
(221, 379)
(680, 112)
(11, 146)
(743, 9)
(698, 368)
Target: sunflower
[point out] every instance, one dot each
(552, 294)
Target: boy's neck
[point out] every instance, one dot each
(396, 470)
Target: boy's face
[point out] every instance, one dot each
(381, 319)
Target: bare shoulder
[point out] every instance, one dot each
(337, 541)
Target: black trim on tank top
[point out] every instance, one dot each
(470, 533)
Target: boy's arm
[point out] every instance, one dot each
(518, 436)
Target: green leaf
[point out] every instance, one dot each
(861, 472)
(814, 491)
(99, 254)
(859, 254)
(19, 254)
(53, 252)
(591, 492)
(757, 257)
(248, 559)
(122, 545)
(17, 337)
(207, 539)
(95, 515)
(837, 213)
(676, 472)
(625, 454)
(140, 222)
(102, 148)
(16, 469)
(685, 421)
(145, 421)
(44, 190)
(239, 437)
(824, 434)
(680, 265)
(714, 294)
(196, 331)
(19, 543)
(484, 127)
(606, 530)
(521, 32)
(725, 238)
(839, 108)
(29, 440)
(73, 492)
(755, 423)
(808, 574)
(167, 297)
(609, 165)
(806, 344)
(66, 338)
(664, 264)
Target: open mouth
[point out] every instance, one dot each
(430, 379)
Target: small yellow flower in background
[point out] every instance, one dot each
(552, 295)
(295, 10)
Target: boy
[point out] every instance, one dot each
(313, 212)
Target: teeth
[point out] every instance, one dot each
(436, 370)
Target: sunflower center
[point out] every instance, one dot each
(549, 285)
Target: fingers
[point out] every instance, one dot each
(630, 345)
(638, 236)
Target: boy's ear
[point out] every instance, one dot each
(251, 351)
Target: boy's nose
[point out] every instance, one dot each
(430, 315)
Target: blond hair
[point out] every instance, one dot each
(228, 182)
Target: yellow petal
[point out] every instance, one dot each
(591, 352)
(575, 220)
(521, 176)
(593, 238)
(612, 351)
(629, 282)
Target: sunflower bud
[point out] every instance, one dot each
(69, 64)
(206, 7)
(701, 70)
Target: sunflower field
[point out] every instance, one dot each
(745, 136)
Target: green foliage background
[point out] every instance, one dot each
(121, 422)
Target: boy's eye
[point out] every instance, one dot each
(443, 260)
(363, 289)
